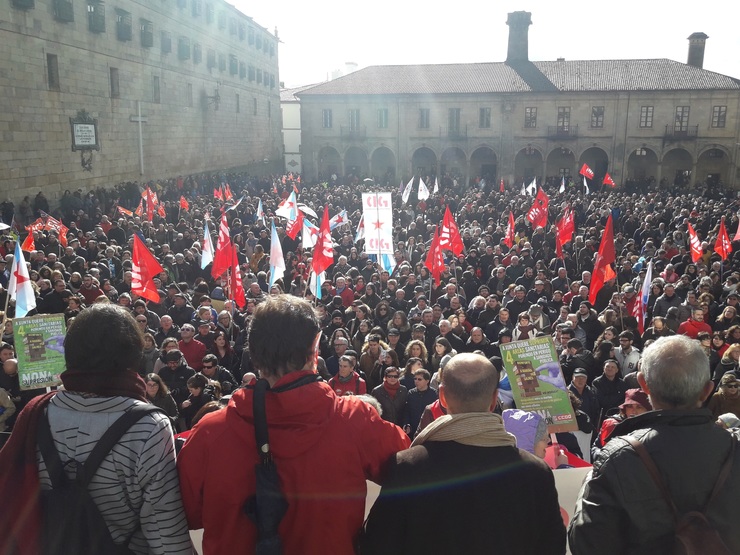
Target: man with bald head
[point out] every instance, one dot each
(465, 473)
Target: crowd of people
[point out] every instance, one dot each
(394, 339)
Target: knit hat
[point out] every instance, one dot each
(636, 398)
(729, 420)
(729, 377)
(528, 428)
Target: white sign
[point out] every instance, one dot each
(377, 209)
(84, 134)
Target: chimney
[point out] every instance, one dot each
(697, 41)
(518, 23)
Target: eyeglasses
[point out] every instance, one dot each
(211, 366)
(141, 321)
(731, 385)
(392, 376)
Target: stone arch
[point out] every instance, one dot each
(642, 165)
(329, 163)
(424, 162)
(713, 165)
(528, 164)
(383, 164)
(484, 164)
(561, 161)
(355, 162)
(677, 167)
(598, 160)
(453, 162)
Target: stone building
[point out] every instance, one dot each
(515, 120)
(290, 107)
(202, 76)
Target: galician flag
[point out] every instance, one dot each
(423, 193)
(277, 262)
(407, 191)
(19, 285)
(206, 256)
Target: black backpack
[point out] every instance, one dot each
(71, 521)
(695, 535)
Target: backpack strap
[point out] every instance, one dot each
(111, 436)
(652, 469)
(49, 453)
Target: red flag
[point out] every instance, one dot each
(38, 225)
(609, 181)
(695, 244)
(29, 244)
(435, 261)
(184, 203)
(449, 236)
(144, 268)
(510, 231)
(293, 227)
(603, 271)
(140, 209)
(501, 186)
(298, 179)
(149, 204)
(567, 226)
(737, 233)
(227, 193)
(274, 188)
(52, 224)
(537, 214)
(723, 247)
(161, 211)
(125, 212)
(323, 250)
(295, 189)
(586, 171)
(237, 288)
(222, 258)
(218, 194)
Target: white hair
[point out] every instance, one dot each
(676, 370)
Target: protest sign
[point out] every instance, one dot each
(39, 343)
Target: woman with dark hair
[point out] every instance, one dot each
(382, 315)
(159, 396)
(407, 376)
(604, 352)
(733, 335)
(371, 297)
(442, 348)
(149, 355)
(223, 351)
(400, 321)
(719, 345)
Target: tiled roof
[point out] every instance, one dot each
(500, 77)
(289, 95)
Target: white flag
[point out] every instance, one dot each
(360, 234)
(562, 185)
(423, 191)
(585, 185)
(309, 234)
(206, 256)
(436, 186)
(407, 191)
(260, 213)
(523, 192)
(532, 189)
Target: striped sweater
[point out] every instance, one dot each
(136, 487)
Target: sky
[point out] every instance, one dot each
(319, 37)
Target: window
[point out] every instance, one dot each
(182, 4)
(250, 36)
(484, 118)
(197, 53)
(423, 118)
(597, 116)
(530, 118)
(210, 13)
(453, 120)
(272, 81)
(166, 42)
(242, 31)
(115, 90)
(222, 20)
(563, 118)
(254, 101)
(719, 116)
(232, 26)
(242, 70)
(156, 96)
(272, 49)
(564, 172)
(196, 8)
(221, 62)
(259, 76)
(646, 116)
(233, 65)
(64, 11)
(123, 25)
(682, 118)
(24, 4)
(258, 42)
(52, 71)
(189, 94)
(266, 79)
(238, 108)
(95, 16)
(147, 33)
(251, 72)
(211, 58)
(183, 48)
(326, 118)
(354, 119)
(383, 118)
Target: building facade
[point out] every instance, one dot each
(290, 107)
(635, 119)
(167, 88)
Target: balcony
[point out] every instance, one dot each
(562, 131)
(358, 133)
(454, 133)
(676, 132)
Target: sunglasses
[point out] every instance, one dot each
(394, 376)
(731, 386)
(211, 366)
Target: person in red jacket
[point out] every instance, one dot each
(694, 325)
(347, 381)
(324, 447)
(192, 349)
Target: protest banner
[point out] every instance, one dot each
(39, 342)
(537, 382)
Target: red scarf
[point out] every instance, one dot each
(124, 384)
(20, 526)
(392, 389)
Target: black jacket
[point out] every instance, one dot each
(620, 510)
(483, 499)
